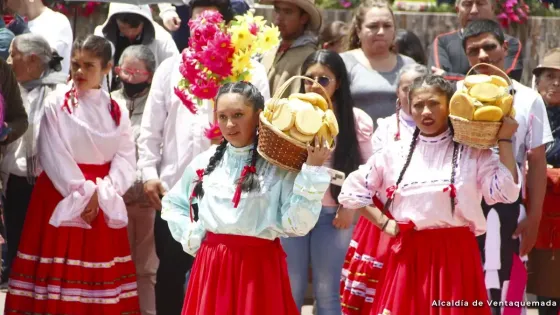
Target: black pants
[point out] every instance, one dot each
(174, 264)
(552, 310)
(181, 36)
(18, 195)
(508, 215)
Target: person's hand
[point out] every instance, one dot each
(318, 154)
(508, 129)
(392, 228)
(92, 209)
(437, 71)
(343, 218)
(153, 190)
(528, 229)
(171, 21)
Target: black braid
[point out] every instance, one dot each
(198, 191)
(453, 172)
(251, 180)
(406, 164)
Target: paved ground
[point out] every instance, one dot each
(307, 310)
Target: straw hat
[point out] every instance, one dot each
(551, 60)
(315, 16)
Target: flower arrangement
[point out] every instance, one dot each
(513, 11)
(84, 9)
(218, 54)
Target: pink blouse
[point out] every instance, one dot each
(364, 130)
(423, 196)
(87, 136)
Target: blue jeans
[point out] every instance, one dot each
(325, 246)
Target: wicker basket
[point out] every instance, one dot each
(478, 134)
(275, 146)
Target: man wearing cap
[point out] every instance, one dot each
(298, 22)
(543, 268)
(447, 57)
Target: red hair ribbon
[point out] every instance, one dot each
(237, 196)
(391, 191)
(452, 190)
(200, 174)
(70, 96)
(115, 112)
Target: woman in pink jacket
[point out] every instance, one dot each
(325, 246)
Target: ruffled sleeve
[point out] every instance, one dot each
(62, 170)
(364, 131)
(495, 180)
(121, 177)
(301, 199)
(360, 186)
(176, 211)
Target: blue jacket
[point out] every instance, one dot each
(6, 37)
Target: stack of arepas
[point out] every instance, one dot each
(483, 98)
(303, 117)
(477, 109)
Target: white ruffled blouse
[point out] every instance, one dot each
(423, 196)
(87, 136)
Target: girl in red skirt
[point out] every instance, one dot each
(244, 205)
(74, 256)
(433, 187)
(368, 248)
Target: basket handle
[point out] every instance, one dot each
(504, 75)
(285, 86)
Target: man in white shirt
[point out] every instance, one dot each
(53, 26)
(484, 42)
(170, 137)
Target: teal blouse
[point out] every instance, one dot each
(286, 203)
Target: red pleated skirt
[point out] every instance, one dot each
(70, 270)
(362, 268)
(239, 275)
(433, 272)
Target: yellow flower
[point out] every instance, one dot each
(268, 38)
(241, 38)
(241, 61)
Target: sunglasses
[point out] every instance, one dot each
(324, 81)
(132, 72)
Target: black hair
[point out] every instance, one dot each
(101, 48)
(408, 44)
(97, 45)
(479, 27)
(445, 87)
(346, 156)
(249, 182)
(223, 6)
(132, 19)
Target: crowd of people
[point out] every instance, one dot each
(116, 202)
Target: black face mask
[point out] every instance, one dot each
(133, 89)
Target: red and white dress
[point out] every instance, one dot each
(64, 265)
(435, 257)
(368, 248)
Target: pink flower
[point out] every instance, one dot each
(254, 28)
(204, 89)
(212, 17)
(213, 132)
(504, 21)
(186, 99)
(222, 43)
(215, 62)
